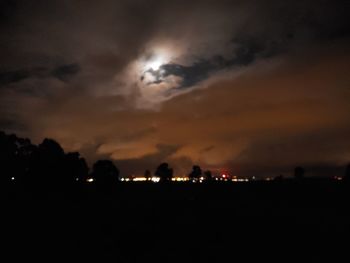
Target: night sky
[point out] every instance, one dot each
(245, 87)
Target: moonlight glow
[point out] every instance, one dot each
(155, 63)
(159, 56)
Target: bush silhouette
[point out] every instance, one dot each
(105, 173)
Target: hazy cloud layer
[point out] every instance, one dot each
(242, 86)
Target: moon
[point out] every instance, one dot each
(155, 63)
(156, 57)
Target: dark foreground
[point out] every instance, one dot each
(140, 222)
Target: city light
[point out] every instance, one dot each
(155, 179)
(240, 180)
(202, 179)
(140, 179)
(179, 179)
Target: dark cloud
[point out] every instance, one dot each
(244, 55)
(276, 29)
(9, 124)
(64, 73)
(244, 85)
(139, 134)
(13, 76)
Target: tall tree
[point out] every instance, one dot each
(195, 173)
(164, 172)
(105, 172)
(208, 175)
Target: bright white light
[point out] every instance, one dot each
(140, 179)
(90, 180)
(155, 63)
(159, 57)
(12, 178)
(179, 179)
(155, 179)
(338, 178)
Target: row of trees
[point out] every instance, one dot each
(165, 173)
(48, 165)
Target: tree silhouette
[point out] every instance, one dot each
(299, 173)
(8, 157)
(105, 172)
(48, 167)
(40, 168)
(347, 173)
(164, 172)
(26, 152)
(279, 177)
(195, 173)
(208, 176)
(75, 167)
(147, 174)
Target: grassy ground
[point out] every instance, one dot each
(142, 222)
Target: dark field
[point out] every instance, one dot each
(212, 222)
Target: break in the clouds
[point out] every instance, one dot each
(230, 85)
